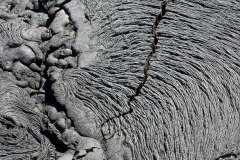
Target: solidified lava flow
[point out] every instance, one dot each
(119, 79)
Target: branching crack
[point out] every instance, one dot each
(157, 19)
(118, 116)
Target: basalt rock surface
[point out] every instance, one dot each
(119, 79)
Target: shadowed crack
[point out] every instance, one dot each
(87, 152)
(157, 19)
(228, 156)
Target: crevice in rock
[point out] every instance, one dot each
(49, 98)
(61, 6)
(87, 152)
(41, 9)
(227, 156)
(118, 116)
(103, 141)
(157, 19)
(59, 145)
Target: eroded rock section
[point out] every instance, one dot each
(119, 79)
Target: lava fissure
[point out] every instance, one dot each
(157, 19)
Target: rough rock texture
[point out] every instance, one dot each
(119, 79)
(20, 136)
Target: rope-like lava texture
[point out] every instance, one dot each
(188, 107)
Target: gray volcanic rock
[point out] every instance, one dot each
(120, 79)
(21, 125)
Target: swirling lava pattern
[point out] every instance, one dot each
(188, 103)
(120, 79)
(20, 136)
